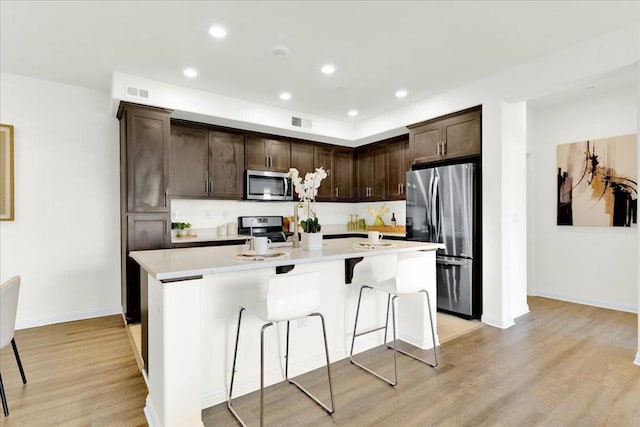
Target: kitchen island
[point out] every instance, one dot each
(190, 317)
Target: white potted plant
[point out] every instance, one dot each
(307, 191)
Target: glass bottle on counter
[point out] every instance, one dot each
(393, 219)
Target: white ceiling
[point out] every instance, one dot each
(377, 46)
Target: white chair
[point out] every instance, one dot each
(288, 297)
(8, 306)
(409, 278)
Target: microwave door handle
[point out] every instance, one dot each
(286, 187)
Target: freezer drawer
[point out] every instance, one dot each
(454, 283)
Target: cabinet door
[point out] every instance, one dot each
(377, 173)
(395, 169)
(147, 160)
(364, 165)
(302, 159)
(144, 231)
(255, 153)
(462, 135)
(189, 169)
(323, 157)
(342, 175)
(279, 156)
(226, 160)
(424, 142)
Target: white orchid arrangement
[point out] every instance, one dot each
(380, 212)
(307, 191)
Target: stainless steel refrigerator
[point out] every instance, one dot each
(441, 208)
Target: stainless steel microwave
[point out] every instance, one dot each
(265, 185)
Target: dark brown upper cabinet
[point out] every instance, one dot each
(370, 166)
(145, 135)
(189, 171)
(397, 164)
(302, 159)
(206, 163)
(448, 137)
(267, 154)
(226, 157)
(338, 186)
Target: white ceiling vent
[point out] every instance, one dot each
(300, 122)
(135, 92)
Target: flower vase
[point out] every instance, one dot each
(311, 241)
(378, 221)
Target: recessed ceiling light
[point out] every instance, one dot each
(328, 69)
(353, 113)
(401, 93)
(192, 73)
(218, 32)
(280, 51)
(285, 96)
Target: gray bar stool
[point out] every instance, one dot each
(409, 278)
(288, 297)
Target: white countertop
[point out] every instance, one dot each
(167, 264)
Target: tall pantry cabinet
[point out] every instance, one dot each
(145, 217)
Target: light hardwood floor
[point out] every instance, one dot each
(79, 373)
(561, 365)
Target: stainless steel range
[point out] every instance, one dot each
(266, 226)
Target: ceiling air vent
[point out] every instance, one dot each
(300, 122)
(134, 92)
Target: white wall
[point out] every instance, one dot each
(591, 265)
(64, 241)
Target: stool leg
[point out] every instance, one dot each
(5, 407)
(15, 352)
(433, 338)
(386, 319)
(356, 334)
(233, 370)
(330, 410)
(355, 323)
(264, 327)
(395, 339)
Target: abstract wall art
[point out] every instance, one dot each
(598, 182)
(6, 173)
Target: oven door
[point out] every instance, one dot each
(265, 185)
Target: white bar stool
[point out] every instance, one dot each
(9, 292)
(409, 278)
(288, 297)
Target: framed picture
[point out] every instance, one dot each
(598, 182)
(6, 173)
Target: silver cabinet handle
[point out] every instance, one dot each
(211, 186)
(336, 191)
(166, 227)
(399, 188)
(444, 148)
(439, 148)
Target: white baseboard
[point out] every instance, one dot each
(629, 308)
(497, 323)
(69, 317)
(637, 361)
(150, 413)
(419, 342)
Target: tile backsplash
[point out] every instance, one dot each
(212, 213)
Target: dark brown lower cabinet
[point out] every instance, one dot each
(144, 232)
